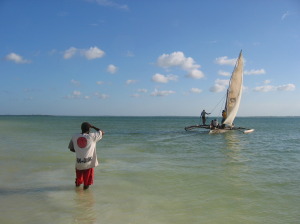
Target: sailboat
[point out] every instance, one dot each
(233, 99)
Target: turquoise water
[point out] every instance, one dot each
(151, 171)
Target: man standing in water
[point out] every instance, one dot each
(203, 116)
(84, 145)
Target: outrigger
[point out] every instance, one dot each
(219, 130)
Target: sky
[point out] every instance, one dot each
(147, 58)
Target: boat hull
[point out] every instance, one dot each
(219, 131)
(189, 128)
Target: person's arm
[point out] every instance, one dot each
(97, 129)
(71, 146)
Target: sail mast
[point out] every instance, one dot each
(234, 91)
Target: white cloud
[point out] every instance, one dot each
(178, 59)
(255, 72)
(163, 79)
(101, 95)
(223, 73)
(225, 61)
(220, 85)
(266, 88)
(142, 90)
(18, 59)
(91, 53)
(74, 95)
(112, 69)
(174, 59)
(70, 52)
(136, 95)
(195, 74)
(287, 87)
(162, 92)
(269, 88)
(217, 88)
(128, 82)
(75, 82)
(195, 90)
(109, 3)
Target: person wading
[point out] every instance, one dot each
(84, 146)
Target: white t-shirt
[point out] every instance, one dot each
(85, 149)
(215, 123)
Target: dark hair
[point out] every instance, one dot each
(85, 127)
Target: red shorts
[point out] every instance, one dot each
(85, 176)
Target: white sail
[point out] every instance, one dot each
(234, 92)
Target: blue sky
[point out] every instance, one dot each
(148, 58)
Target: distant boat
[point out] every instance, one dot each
(233, 99)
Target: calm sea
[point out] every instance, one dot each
(151, 172)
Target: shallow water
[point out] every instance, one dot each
(151, 171)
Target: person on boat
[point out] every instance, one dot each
(84, 146)
(203, 116)
(224, 116)
(214, 124)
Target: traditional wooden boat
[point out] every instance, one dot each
(233, 99)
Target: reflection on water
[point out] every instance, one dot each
(234, 147)
(84, 204)
(236, 167)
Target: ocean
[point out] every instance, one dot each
(151, 171)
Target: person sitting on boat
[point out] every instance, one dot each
(224, 116)
(203, 116)
(214, 124)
